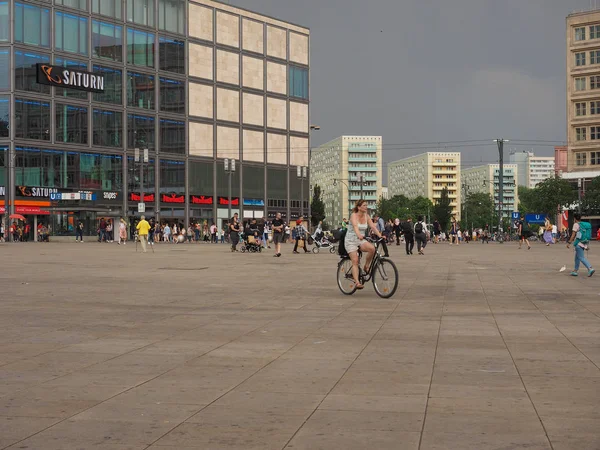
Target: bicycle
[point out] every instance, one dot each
(382, 272)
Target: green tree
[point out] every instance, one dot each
(392, 208)
(420, 206)
(552, 194)
(590, 203)
(442, 210)
(528, 202)
(317, 207)
(478, 210)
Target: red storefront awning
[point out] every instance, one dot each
(27, 210)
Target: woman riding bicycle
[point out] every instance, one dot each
(360, 222)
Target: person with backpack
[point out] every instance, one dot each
(523, 234)
(380, 224)
(409, 237)
(420, 235)
(580, 237)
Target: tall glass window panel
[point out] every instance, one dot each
(3, 158)
(141, 12)
(113, 85)
(133, 180)
(298, 82)
(171, 16)
(28, 166)
(140, 48)
(73, 65)
(201, 178)
(71, 33)
(107, 41)
(172, 96)
(26, 71)
(32, 25)
(110, 8)
(254, 179)
(140, 131)
(101, 172)
(108, 128)
(4, 22)
(71, 123)
(172, 136)
(171, 55)
(77, 4)
(140, 90)
(4, 117)
(32, 119)
(172, 176)
(4, 68)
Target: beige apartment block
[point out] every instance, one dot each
(583, 91)
(427, 175)
(485, 179)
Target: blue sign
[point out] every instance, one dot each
(535, 218)
(516, 215)
(253, 202)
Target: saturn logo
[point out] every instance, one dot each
(52, 78)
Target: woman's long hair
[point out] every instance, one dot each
(358, 204)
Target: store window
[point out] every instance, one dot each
(171, 55)
(113, 85)
(100, 172)
(32, 25)
(4, 22)
(46, 168)
(71, 123)
(172, 176)
(77, 4)
(4, 69)
(580, 159)
(172, 136)
(140, 131)
(140, 48)
(171, 15)
(172, 96)
(75, 65)
(140, 90)
(71, 33)
(110, 8)
(298, 82)
(4, 117)
(26, 72)
(32, 119)
(141, 12)
(107, 41)
(108, 128)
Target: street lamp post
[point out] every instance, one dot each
(500, 143)
(229, 170)
(466, 189)
(301, 172)
(311, 128)
(335, 181)
(141, 160)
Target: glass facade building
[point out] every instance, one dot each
(193, 81)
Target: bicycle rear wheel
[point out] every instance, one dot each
(385, 278)
(344, 277)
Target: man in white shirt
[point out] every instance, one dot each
(554, 233)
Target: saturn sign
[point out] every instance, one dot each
(70, 79)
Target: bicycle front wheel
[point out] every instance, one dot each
(344, 277)
(385, 278)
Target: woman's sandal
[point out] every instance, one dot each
(359, 286)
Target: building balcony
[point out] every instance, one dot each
(368, 177)
(445, 171)
(362, 158)
(362, 169)
(354, 197)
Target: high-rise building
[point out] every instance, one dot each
(347, 168)
(427, 175)
(485, 179)
(532, 169)
(84, 83)
(583, 91)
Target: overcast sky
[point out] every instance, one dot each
(435, 70)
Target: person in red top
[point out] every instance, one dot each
(26, 232)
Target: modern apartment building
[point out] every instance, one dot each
(427, 175)
(347, 168)
(485, 179)
(583, 91)
(83, 83)
(532, 169)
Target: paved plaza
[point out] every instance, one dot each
(193, 347)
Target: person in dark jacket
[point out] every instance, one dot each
(409, 237)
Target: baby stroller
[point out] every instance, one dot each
(321, 241)
(251, 245)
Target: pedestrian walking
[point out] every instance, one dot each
(79, 231)
(143, 227)
(420, 235)
(122, 232)
(409, 237)
(380, 225)
(437, 230)
(523, 233)
(265, 233)
(580, 237)
(279, 232)
(548, 232)
(454, 231)
(397, 230)
(300, 235)
(234, 232)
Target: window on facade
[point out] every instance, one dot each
(171, 55)
(32, 119)
(595, 57)
(580, 159)
(580, 109)
(107, 41)
(110, 8)
(46, 168)
(594, 108)
(26, 72)
(141, 12)
(4, 117)
(595, 82)
(580, 84)
(298, 82)
(4, 22)
(172, 136)
(71, 123)
(594, 133)
(113, 85)
(580, 59)
(140, 90)
(70, 93)
(140, 131)
(100, 172)
(71, 33)
(594, 31)
(581, 134)
(4, 69)
(580, 34)
(595, 158)
(32, 25)
(77, 4)
(172, 176)
(172, 96)
(140, 48)
(171, 16)
(108, 128)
